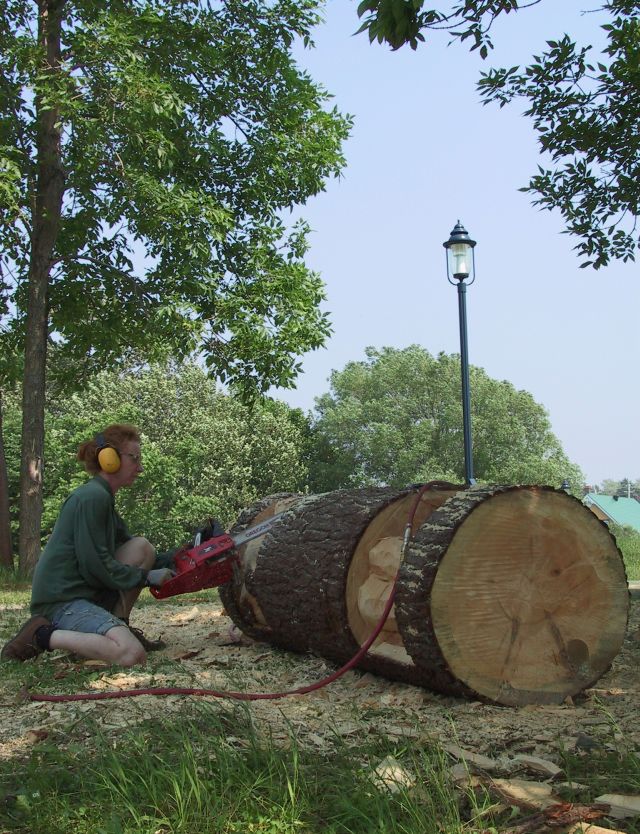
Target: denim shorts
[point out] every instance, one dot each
(82, 615)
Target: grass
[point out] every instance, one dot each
(14, 589)
(208, 771)
(606, 763)
(211, 770)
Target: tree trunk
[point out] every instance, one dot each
(511, 594)
(46, 213)
(6, 551)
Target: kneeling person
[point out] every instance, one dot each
(92, 571)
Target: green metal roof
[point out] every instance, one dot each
(624, 511)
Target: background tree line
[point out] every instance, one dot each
(626, 488)
(204, 453)
(394, 418)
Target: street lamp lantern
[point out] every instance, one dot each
(460, 255)
(461, 267)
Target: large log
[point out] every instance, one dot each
(514, 594)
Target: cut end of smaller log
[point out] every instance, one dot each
(237, 596)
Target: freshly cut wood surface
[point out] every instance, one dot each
(516, 594)
(374, 566)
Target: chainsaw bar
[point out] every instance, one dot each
(255, 531)
(210, 563)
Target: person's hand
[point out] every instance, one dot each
(159, 576)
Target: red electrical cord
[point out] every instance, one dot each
(264, 696)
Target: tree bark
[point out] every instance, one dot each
(46, 214)
(6, 551)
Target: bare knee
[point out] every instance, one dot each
(147, 552)
(138, 552)
(125, 649)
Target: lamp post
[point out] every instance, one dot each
(460, 268)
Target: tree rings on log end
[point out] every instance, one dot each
(516, 594)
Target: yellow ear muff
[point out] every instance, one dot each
(108, 458)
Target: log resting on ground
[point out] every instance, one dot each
(511, 594)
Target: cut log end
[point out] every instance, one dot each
(529, 603)
(237, 597)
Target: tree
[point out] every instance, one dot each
(624, 488)
(396, 419)
(204, 453)
(609, 487)
(11, 421)
(10, 368)
(147, 152)
(585, 110)
(6, 551)
(628, 540)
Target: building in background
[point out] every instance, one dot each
(614, 508)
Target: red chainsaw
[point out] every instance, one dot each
(210, 563)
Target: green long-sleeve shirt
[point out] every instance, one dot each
(79, 561)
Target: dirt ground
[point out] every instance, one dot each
(207, 651)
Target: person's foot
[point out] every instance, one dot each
(24, 645)
(147, 645)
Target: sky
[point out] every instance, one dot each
(425, 153)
